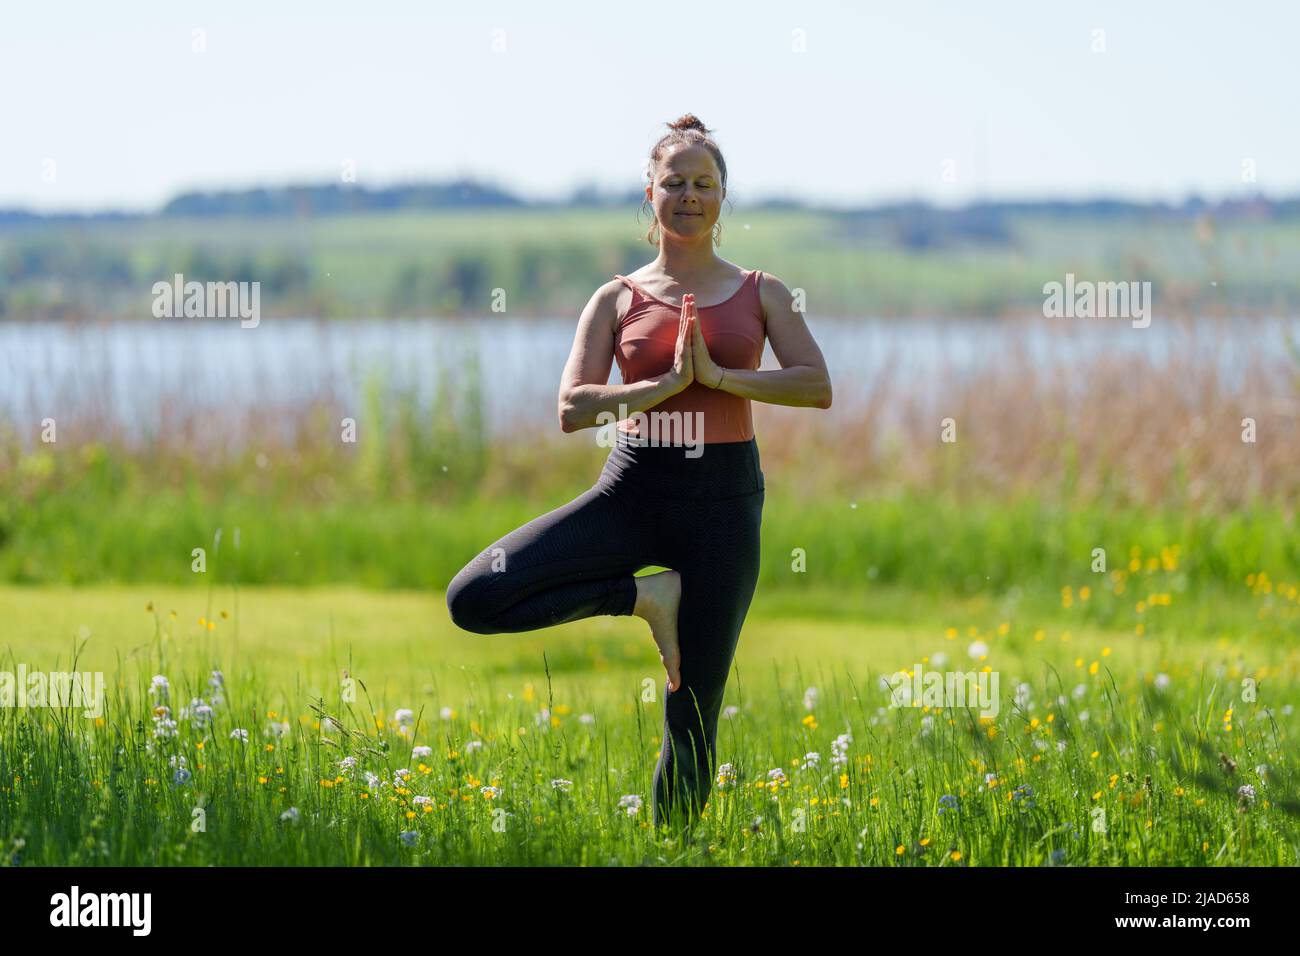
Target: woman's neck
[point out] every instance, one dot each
(687, 261)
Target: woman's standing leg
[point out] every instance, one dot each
(574, 562)
(718, 557)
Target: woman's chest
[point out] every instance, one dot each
(646, 341)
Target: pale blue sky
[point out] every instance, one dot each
(886, 92)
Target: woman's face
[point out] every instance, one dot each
(687, 192)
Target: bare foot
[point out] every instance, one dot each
(657, 598)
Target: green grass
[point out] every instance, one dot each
(926, 542)
(1164, 765)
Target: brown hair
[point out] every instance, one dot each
(686, 130)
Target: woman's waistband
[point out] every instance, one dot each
(703, 470)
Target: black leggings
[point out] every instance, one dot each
(651, 506)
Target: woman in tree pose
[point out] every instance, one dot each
(682, 488)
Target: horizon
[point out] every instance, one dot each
(608, 197)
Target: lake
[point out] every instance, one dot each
(133, 371)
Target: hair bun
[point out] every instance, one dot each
(689, 121)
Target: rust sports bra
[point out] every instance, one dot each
(734, 331)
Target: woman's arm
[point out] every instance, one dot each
(584, 394)
(803, 379)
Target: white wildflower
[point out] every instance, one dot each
(199, 712)
(840, 749)
(1024, 695)
(217, 685)
(163, 725)
(630, 803)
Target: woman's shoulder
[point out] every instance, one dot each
(615, 297)
(773, 295)
(768, 280)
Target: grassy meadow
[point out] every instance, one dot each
(1132, 746)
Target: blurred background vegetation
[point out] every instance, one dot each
(441, 250)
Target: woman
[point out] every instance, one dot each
(659, 502)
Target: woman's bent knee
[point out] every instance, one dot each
(465, 604)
